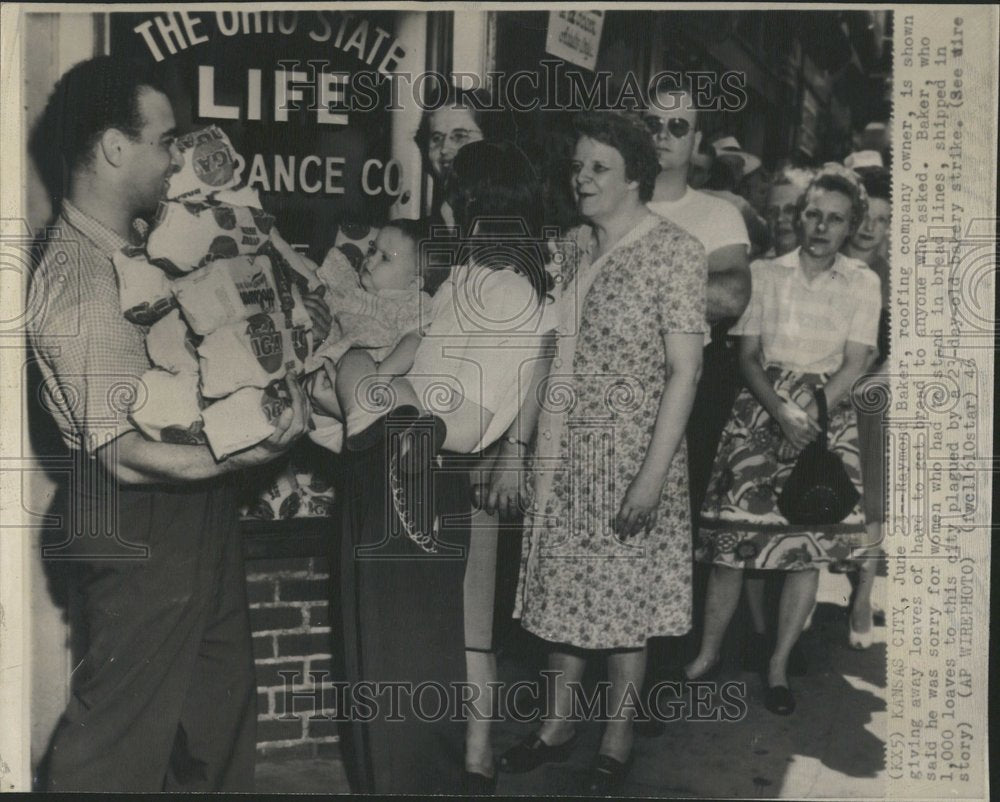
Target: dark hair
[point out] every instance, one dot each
(418, 232)
(90, 98)
(626, 133)
(847, 184)
(495, 122)
(492, 189)
(878, 183)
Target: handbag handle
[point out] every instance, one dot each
(820, 395)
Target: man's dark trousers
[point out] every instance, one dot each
(165, 696)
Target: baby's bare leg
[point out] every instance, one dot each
(360, 388)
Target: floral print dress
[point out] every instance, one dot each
(578, 583)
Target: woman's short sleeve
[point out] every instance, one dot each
(867, 292)
(682, 283)
(751, 322)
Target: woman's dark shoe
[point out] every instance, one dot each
(606, 775)
(375, 433)
(755, 652)
(533, 752)
(779, 700)
(476, 784)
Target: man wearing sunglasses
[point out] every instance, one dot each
(719, 226)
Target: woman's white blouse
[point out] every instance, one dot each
(482, 335)
(803, 325)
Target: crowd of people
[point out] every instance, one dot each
(637, 391)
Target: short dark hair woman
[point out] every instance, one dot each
(631, 372)
(418, 602)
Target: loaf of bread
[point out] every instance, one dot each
(143, 289)
(171, 345)
(204, 162)
(253, 352)
(244, 418)
(186, 236)
(169, 408)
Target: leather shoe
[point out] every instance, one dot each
(533, 752)
(606, 775)
(476, 784)
(779, 700)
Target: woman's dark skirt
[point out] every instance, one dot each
(402, 622)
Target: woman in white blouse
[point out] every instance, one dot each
(811, 324)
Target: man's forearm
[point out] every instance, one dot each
(134, 460)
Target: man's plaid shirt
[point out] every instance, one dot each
(91, 358)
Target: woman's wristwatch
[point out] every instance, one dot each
(514, 441)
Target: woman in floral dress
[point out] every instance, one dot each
(812, 323)
(606, 562)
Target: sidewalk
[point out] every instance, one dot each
(832, 746)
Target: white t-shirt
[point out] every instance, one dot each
(484, 334)
(713, 221)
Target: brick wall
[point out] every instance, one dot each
(290, 617)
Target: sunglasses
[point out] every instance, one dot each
(677, 126)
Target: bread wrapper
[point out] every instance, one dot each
(186, 236)
(240, 196)
(279, 500)
(254, 352)
(303, 268)
(172, 408)
(244, 418)
(230, 290)
(171, 345)
(353, 241)
(143, 289)
(204, 162)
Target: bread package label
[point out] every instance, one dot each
(171, 345)
(205, 162)
(171, 408)
(254, 352)
(228, 291)
(186, 236)
(244, 418)
(279, 500)
(143, 289)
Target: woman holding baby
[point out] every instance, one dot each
(408, 615)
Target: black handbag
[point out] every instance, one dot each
(818, 491)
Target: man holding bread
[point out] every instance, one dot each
(164, 698)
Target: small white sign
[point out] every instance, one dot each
(575, 36)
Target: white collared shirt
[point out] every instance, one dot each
(803, 325)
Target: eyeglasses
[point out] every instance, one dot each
(457, 137)
(677, 126)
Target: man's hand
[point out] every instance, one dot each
(319, 313)
(289, 427)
